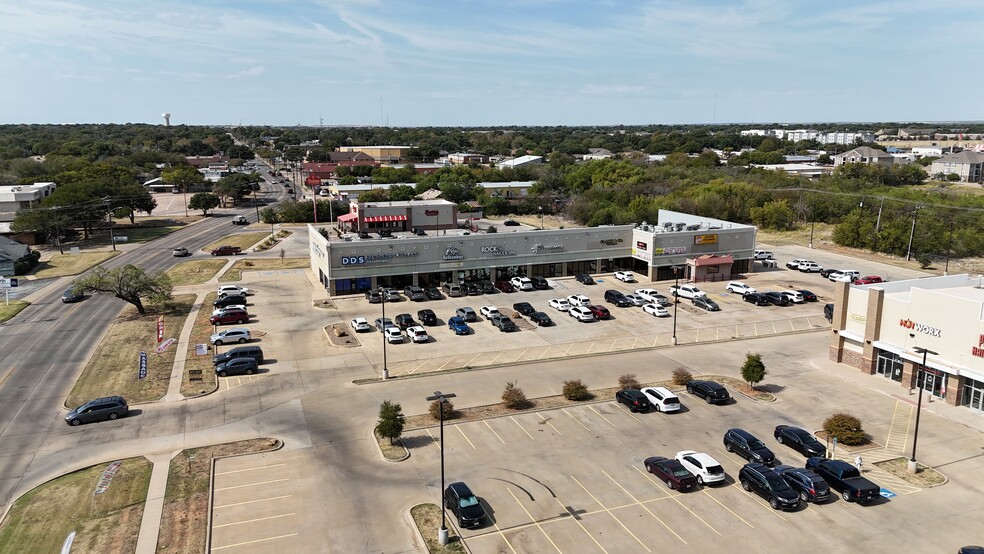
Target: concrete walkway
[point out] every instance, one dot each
(150, 525)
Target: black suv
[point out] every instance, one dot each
(634, 399)
(539, 283)
(427, 317)
(231, 300)
(110, 407)
(584, 279)
(541, 319)
(747, 446)
(464, 505)
(487, 287)
(769, 485)
(524, 308)
(404, 320)
(254, 352)
(710, 391)
(810, 486)
(617, 298)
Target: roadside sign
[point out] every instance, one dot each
(6, 283)
(142, 371)
(163, 346)
(201, 349)
(886, 493)
(160, 329)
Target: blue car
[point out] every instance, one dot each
(458, 325)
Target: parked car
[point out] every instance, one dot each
(808, 485)
(505, 286)
(810, 267)
(794, 296)
(522, 283)
(71, 295)
(472, 289)
(393, 334)
(711, 391)
(229, 316)
(237, 366)
(109, 407)
(636, 299)
(464, 505)
(581, 313)
(488, 312)
(776, 298)
(578, 300)
(382, 323)
(869, 280)
(541, 319)
(539, 283)
(227, 336)
(385, 233)
(231, 300)
(392, 295)
(706, 303)
(827, 272)
(559, 304)
(649, 295)
(843, 275)
(433, 294)
(415, 294)
(453, 290)
(417, 334)
(524, 308)
(687, 291)
(800, 440)
(226, 290)
(427, 317)
(220, 311)
(706, 469)
(671, 472)
(584, 279)
(762, 255)
(504, 323)
(510, 223)
(487, 287)
(180, 252)
(757, 298)
(662, 399)
(661, 300)
(634, 399)
(374, 296)
(618, 298)
(768, 484)
(828, 312)
(845, 479)
(738, 287)
(240, 220)
(404, 320)
(226, 250)
(794, 264)
(807, 295)
(625, 276)
(748, 446)
(466, 314)
(458, 325)
(656, 310)
(249, 351)
(599, 311)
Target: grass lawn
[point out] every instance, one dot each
(113, 367)
(145, 234)
(40, 520)
(194, 272)
(200, 335)
(61, 265)
(185, 517)
(235, 272)
(8, 311)
(427, 517)
(242, 240)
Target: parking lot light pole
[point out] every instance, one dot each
(676, 300)
(382, 295)
(442, 533)
(913, 466)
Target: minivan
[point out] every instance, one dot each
(252, 351)
(453, 290)
(110, 407)
(662, 399)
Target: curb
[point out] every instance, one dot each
(372, 435)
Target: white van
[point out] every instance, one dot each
(662, 399)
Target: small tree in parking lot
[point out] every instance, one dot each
(447, 407)
(391, 420)
(514, 397)
(753, 370)
(628, 381)
(576, 390)
(681, 376)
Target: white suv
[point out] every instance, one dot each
(810, 267)
(762, 255)
(793, 296)
(795, 264)
(738, 287)
(706, 468)
(488, 312)
(521, 283)
(234, 290)
(417, 334)
(662, 399)
(578, 300)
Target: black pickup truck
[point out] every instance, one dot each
(844, 478)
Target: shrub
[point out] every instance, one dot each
(925, 261)
(681, 376)
(628, 381)
(845, 428)
(391, 420)
(576, 390)
(514, 397)
(753, 370)
(436, 407)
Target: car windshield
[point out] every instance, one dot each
(778, 484)
(681, 473)
(468, 501)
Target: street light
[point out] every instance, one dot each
(913, 467)
(676, 299)
(915, 213)
(382, 296)
(442, 533)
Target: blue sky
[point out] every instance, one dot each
(495, 62)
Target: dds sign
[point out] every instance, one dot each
(353, 260)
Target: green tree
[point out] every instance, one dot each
(128, 283)
(203, 201)
(391, 420)
(233, 186)
(753, 370)
(183, 176)
(131, 199)
(774, 215)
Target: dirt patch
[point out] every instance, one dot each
(194, 272)
(925, 477)
(324, 304)
(867, 445)
(40, 520)
(340, 335)
(427, 518)
(184, 521)
(755, 392)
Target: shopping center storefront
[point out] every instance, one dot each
(878, 329)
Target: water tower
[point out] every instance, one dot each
(167, 119)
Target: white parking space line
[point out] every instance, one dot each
(535, 522)
(460, 430)
(254, 541)
(755, 498)
(592, 408)
(252, 484)
(252, 501)
(709, 495)
(493, 432)
(547, 421)
(521, 427)
(613, 516)
(579, 524)
(576, 420)
(433, 440)
(675, 499)
(504, 539)
(251, 521)
(248, 469)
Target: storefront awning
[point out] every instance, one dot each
(348, 217)
(385, 218)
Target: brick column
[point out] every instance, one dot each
(835, 351)
(872, 328)
(954, 389)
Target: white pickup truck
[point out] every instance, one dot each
(687, 291)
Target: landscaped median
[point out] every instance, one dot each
(199, 373)
(242, 240)
(194, 272)
(235, 273)
(427, 518)
(63, 265)
(41, 520)
(8, 311)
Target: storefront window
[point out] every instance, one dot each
(973, 394)
(933, 381)
(890, 365)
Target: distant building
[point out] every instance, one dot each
(507, 189)
(14, 198)
(864, 155)
(968, 165)
(400, 216)
(205, 161)
(809, 170)
(465, 158)
(382, 154)
(327, 170)
(520, 162)
(597, 154)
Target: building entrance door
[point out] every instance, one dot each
(890, 365)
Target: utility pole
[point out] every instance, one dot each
(109, 212)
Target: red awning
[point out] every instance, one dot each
(348, 217)
(385, 218)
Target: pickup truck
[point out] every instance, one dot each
(844, 478)
(504, 324)
(687, 291)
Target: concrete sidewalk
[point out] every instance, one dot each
(150, 525)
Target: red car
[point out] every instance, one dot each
(600, 311)
(504, 286)
(226, 250)
(868, 280)
(229, 316)
(671, 472)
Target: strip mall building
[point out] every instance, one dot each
(876, 329)
(705, 249)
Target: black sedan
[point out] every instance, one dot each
(71, 295)
(432, 293)
(800, 440)
(776, 298)
(524, 308)
(671, 472)
(706, 303)
(757, 298)
(541, 319)
(808, 296)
